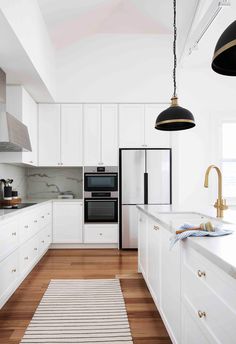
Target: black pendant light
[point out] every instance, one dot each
(224, 59)
(175, 117)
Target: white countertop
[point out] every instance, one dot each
(8, 213)
(220, 250)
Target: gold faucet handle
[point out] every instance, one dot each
(224, 205)
(221, 204)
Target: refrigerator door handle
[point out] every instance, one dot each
(145, 188)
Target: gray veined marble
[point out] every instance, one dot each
(49, 182)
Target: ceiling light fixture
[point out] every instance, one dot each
(175, 117)
(224, 59)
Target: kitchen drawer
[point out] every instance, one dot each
(45, 215)
(9, 272)
(28, 253)
(28, 225)
(214, 314)
(96, 234)
(212, 276)
(45, 238)
(9, 237)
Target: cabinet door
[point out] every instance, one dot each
(109, 135)
(92, 134)
(154, 259)
(29, 116)
(155, 138)
(131, 125)
(49, 135)
(72, 135)
(170, 283)
(67, 222)
(142, 243)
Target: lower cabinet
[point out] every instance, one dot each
(101, 234)
(28, 236)
(154, 259)
(67, 222)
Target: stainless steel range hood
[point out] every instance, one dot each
(14, 135)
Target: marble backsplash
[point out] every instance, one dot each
(49, 182)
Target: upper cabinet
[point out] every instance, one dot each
(60, 135)
(100, 134)
(21, 105)
(137, 126)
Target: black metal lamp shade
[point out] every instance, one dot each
(224, 59)
(175, 118)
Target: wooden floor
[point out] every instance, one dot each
(145, 322)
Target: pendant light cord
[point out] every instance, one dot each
(174, 49)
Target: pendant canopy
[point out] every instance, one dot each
(224, 59)
(175, 118)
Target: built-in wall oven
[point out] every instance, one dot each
(101, 194)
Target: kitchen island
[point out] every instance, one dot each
(194, 283)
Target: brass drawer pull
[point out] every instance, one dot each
(35, 249)
(42, 241)
(201, 273)
(100, 233)
(156, 228)
(14, 233)
(26, 258)
(201, 314)
(26, 226)
(13, 270)
(35, 221)
(42, 217)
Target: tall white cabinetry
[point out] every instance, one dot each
(100, 134)
(136, 126)
(60, 135)
(21, 105)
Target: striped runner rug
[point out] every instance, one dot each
(80, 311)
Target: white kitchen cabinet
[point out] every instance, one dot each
(21, 105)
(155, 138)
(72, 135)
(154, 259)
(100, 134)
(109, 135)
(67, 222)
(170, 283)
(137, 126)
(142, 243)
(101, 234)
(49, 139)
(131, 125)
(92, 134)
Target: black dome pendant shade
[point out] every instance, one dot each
(224, 59)
(175, 117)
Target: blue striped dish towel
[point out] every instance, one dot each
(197, 233)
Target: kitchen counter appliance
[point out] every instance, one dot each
(101, 194)
(145, 178)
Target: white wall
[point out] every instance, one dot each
(116, 68)
(16, 173)
(27, 23)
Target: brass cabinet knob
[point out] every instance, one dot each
(201, 273)
(35, 221)
(26, 258)
(100, 233)
(13, 270)
(42, 217)
(26, 226)
(42, 241)
(14, 233)
(201, 314)
(35, 249)
(156, 228)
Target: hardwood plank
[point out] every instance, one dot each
(145, 321)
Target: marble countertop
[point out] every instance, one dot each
(8, 213)
(220, 250)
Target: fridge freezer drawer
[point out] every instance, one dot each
(129, 226)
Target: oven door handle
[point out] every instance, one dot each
(101, 200)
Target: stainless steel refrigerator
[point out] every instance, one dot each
(145, 178)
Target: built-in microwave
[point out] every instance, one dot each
(101, 179)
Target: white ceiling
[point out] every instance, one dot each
(69, 21)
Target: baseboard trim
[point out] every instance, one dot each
(82, 246)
